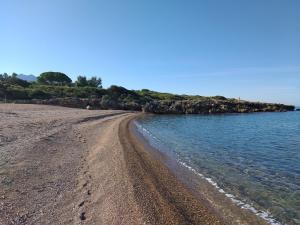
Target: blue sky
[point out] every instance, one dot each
(235, 48)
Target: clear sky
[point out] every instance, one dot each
(235, 48)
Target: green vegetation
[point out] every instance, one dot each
(93, 82)
(54, 78)
(57, 88)
(49, 85)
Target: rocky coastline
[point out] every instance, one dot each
(205, 106)
(213, 106)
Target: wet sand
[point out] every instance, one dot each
(71, 166)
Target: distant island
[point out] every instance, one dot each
(56, 88)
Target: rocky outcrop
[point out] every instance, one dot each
(212, 106)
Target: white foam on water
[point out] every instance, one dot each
(262, 214)
(144, 131)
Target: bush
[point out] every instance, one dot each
(38, 94)
(15, 92)
(109, 102)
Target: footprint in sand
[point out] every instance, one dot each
(82, 216)
(81, 204)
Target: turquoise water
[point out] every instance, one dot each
(252, 158)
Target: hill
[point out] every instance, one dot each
(29, 78)
(90, 92)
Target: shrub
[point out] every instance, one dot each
(38, 94)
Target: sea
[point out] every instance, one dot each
(253, 159)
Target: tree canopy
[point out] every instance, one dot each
(82, 81)
(54, 78)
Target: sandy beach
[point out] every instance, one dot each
(72, 166)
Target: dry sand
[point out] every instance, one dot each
(73, 166)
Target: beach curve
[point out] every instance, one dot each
(74, 166)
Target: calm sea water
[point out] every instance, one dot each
(253, 158)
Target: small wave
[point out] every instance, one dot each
(146, 133)
(262, 214)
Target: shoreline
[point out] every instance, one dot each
(204, 189)
(74, 166)
(163, 198)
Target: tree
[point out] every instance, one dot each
(95, 82)
(54, 78)
(3, 77)
(81, 81)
